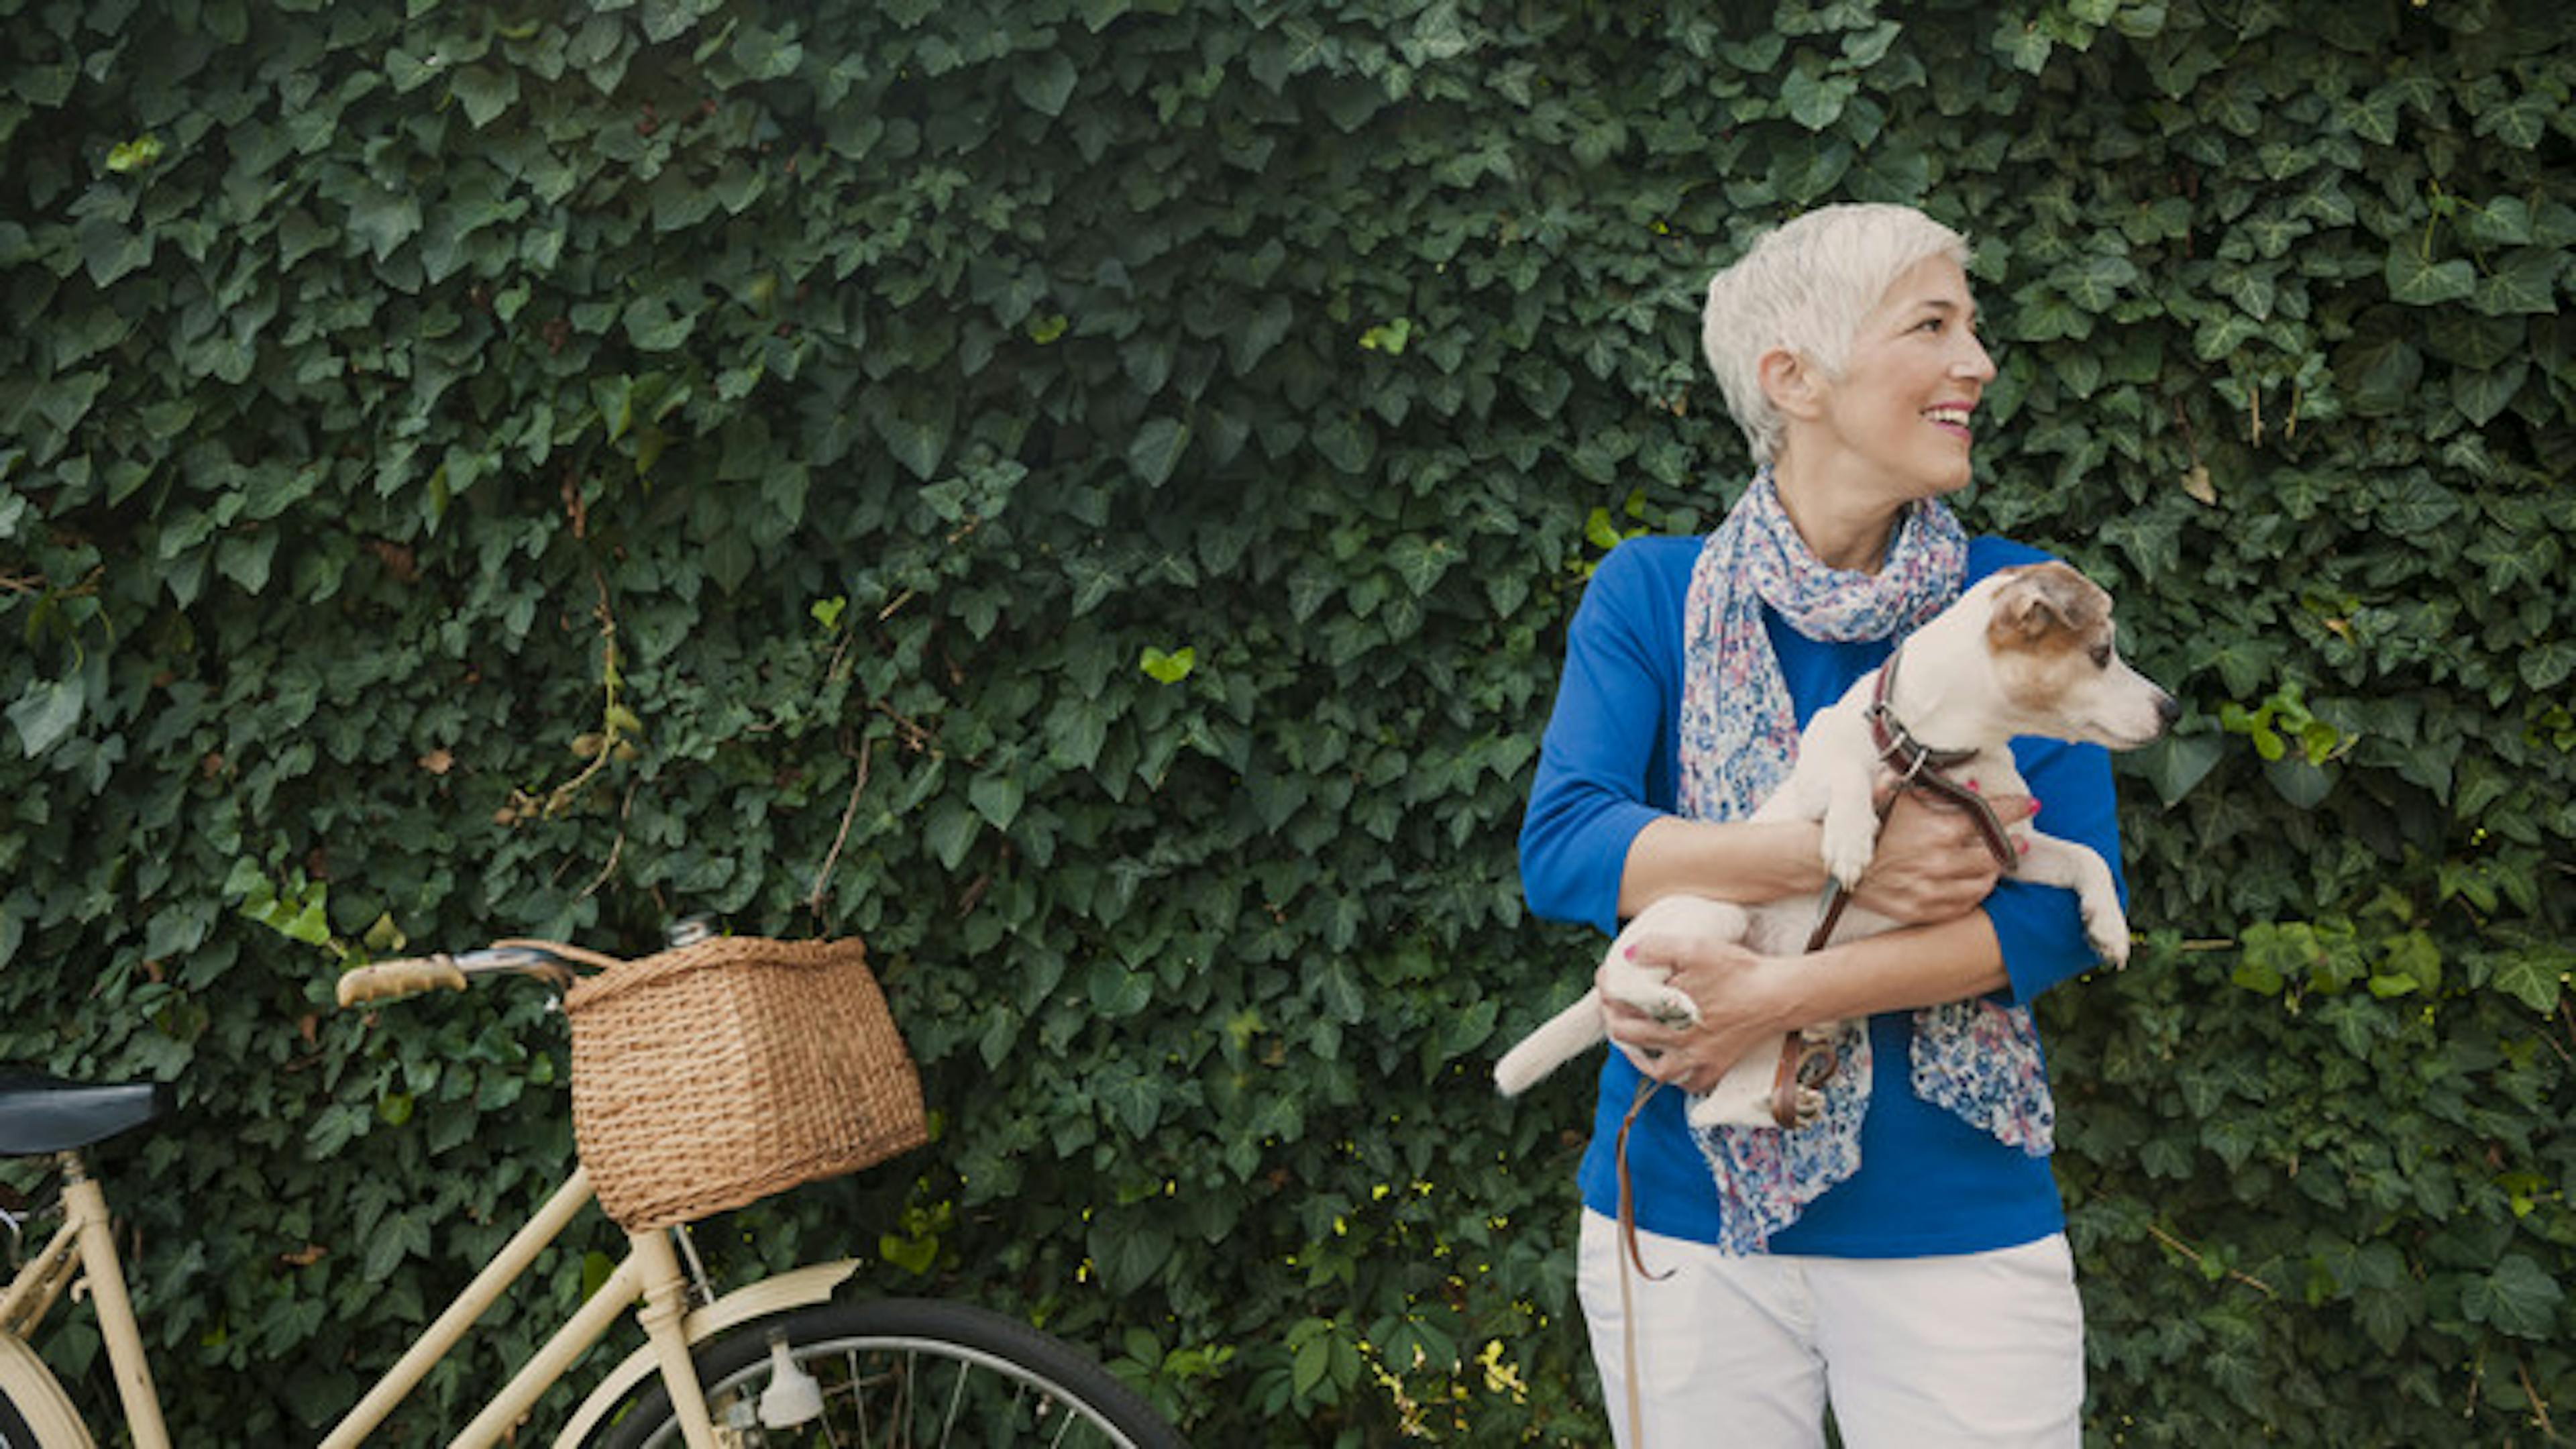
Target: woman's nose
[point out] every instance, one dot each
(1973, 360)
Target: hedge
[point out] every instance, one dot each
(1086, 494)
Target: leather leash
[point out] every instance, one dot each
(1918, 767)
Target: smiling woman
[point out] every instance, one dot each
(1903, 1257)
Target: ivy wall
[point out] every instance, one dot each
(1086, 494)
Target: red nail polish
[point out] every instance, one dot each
(2034, 804)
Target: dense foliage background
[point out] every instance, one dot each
(1086, 494)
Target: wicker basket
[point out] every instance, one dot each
(714, 1074)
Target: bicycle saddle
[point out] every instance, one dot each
(41, 1114)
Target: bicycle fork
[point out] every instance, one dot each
(85, 1249)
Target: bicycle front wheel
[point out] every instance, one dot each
(907, 1372)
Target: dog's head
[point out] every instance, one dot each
(2057, 660)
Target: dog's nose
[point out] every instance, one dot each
(2168, 709)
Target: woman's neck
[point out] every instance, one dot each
(1844, 528)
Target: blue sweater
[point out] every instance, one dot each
(1928, 1183)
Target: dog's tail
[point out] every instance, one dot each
(1565, 1036)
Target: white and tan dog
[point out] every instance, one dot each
(2027, 651)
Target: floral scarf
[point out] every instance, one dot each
(1739, 738)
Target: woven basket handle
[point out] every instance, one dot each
(597, 960)
(618, 976)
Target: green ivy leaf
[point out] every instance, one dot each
(2526, 284)
(2481, 396)
(1169, 668)
(383, 217)
(1154, 454)
(950, 832)
(2519, 1298)
(2177, 763)
(110, 251)
(2420, 282)
(997, 797)
(2534, 976)
(1118, 991)
(46, 713)
(1044, 84)
(135, 155)
(485, 92)
(1129, 1248)
(916, 431)
(1815, 98)
(654, 324)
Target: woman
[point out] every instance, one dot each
(1910, 1267)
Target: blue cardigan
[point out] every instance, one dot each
(1928, 1183)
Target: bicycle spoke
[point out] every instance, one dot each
(956, 1397)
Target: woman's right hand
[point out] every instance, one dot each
(1932, 864)
(1739, 1004)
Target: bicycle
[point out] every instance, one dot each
(781, 1361)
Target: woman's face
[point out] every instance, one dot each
(1904, 406)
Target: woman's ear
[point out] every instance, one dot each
(1794, 385)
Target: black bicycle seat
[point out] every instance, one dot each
(41, 1114)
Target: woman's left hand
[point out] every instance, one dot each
(1735, 990)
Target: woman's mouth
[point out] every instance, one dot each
(1952, 416)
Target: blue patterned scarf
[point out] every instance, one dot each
(1739, 738)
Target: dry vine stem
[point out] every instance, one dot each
(2202, 1263)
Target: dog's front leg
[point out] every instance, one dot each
(1851, 818)
(2063, 863)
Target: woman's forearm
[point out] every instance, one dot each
(1901, 970)
(1737, 860)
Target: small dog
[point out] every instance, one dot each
(2028, 651)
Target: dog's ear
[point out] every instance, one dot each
(2048, 599)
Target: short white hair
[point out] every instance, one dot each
(1807, 285)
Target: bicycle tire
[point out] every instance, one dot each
(14, 1433)
(891, 1366)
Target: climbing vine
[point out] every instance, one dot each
(1086, 494)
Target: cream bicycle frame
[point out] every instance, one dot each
(84, 1248)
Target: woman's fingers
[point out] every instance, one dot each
(1932, 863)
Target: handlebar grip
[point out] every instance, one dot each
(387, 980)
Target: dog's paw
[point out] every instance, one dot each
(2111, 946)
(1650, 993)
(1849, 840)
(2106, 929)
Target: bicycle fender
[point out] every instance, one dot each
(39, 1399)
(799, 1288)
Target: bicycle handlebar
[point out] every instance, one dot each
(410, 976)
(389, 980)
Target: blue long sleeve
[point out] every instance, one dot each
(1609, 761)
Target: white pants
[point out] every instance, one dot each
(1982, 1349)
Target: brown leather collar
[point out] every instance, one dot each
(1918, 766)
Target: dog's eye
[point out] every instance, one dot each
(2101, 656)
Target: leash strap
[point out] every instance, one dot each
(1630, 1258)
